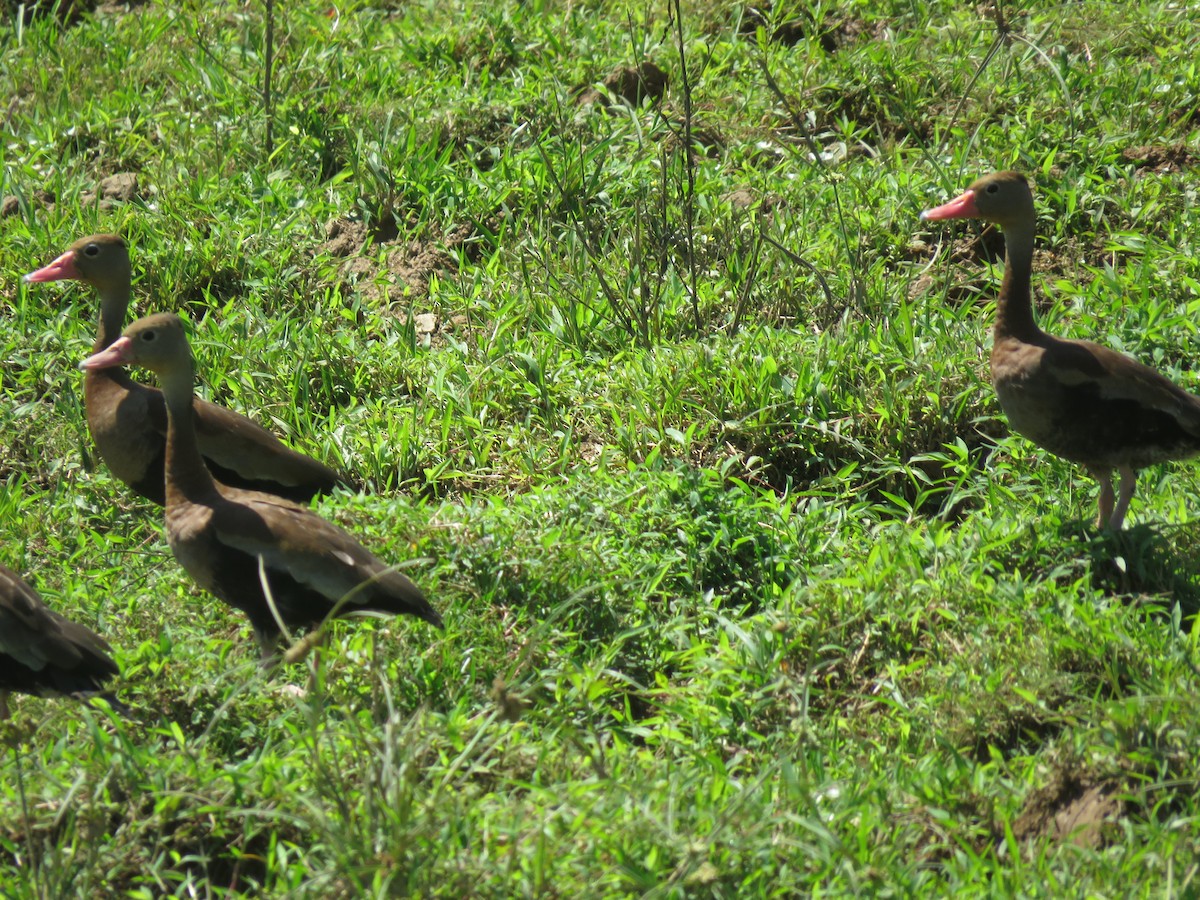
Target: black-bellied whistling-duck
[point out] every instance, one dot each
(220, 534)
(44, 654)
(128, 420)
(1080, 401)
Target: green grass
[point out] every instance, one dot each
(748, 591)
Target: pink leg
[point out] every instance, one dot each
(1128, 481)
(1104, 476)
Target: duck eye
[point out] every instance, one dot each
(992, 188)
(91, 250)
(148, 336)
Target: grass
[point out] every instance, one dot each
(748, 591)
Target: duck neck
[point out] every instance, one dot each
(1014, 307)
(187, 476)
(114, 302)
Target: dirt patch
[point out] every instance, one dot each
(746, 199)
(406, 267)
(1161, 160)
(345, 237)
(11, 205)
(705, 141)
(969, 254)
(832, 32)
(68, 12)
(1073, 807)
(873, 112)
(478, 133)
(207, 288)
(986, 246)
(627, 85)
(117, 7)
(119, 188)
(415, 262)
(122, 187)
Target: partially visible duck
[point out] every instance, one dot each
(128, 420)
(1080, 401)
(222, 534)
(44, 654)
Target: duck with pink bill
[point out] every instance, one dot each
(128, 420)
(47, 655)
(232, 540)
(1074, 398)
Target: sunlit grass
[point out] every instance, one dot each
(747, 590)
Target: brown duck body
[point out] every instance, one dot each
(1079, 400)
(310, 564)
(45, 654)
(1091, 405)
(128, 420)
(228, 539)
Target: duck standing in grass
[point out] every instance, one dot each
(44, 654)
(128, 421)
(230, 539)
(1079, 400)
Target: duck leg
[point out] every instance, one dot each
(270, 651)
(1104, 476)
(1128, 482)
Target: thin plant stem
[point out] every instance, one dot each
(268, 61)
(689, 194)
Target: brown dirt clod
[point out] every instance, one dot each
(119, 188)
(1072, 807)
(1161, 160)
(628, 85)
(833, 33)
(406, 268)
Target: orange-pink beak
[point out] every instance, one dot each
(959, 208)
(62, 268)
(118, 353)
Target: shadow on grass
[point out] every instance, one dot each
(1150, 560)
